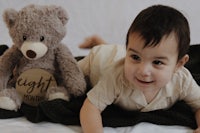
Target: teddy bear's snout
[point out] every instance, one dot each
(33, 50)
(31, 54)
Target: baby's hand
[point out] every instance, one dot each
(92, 41)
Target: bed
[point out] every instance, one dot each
(63, 117)
(21, 125)
(84, 18)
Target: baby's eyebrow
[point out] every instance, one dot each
(161, 58)
(133, 50)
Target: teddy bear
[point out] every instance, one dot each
(38, 66)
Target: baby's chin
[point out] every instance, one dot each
(145, 85)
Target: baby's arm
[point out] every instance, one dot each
(90, 118)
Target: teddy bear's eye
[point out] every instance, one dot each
(42, 38)
(24, 38)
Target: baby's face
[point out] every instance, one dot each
(150, 67)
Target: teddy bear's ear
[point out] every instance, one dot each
(10, 16)
(62, 15)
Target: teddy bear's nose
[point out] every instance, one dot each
(30, 53)
(33, 50)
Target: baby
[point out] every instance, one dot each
(149, 75)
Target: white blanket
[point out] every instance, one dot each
(21, 125)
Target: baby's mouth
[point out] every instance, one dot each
(144, 82)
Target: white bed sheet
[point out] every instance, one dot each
(22, 125)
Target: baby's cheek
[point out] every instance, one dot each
(163, 78)
(126, 74)
(129, 74)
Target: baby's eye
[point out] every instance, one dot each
(157, 62)
(135, 57)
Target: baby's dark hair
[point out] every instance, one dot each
(157, 21)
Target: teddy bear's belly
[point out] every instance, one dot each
(37, 64)
(19, 69)
(33, 84)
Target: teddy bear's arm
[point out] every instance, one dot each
(8, 62)
(73, 77)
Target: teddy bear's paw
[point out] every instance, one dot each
(10, 100)
(57, 93)
(8, 104)
(77, 92)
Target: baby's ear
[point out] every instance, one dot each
(10, 16)
(183, 61)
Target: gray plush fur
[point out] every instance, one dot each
(30, 24)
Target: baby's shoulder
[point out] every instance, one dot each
(182, 73)
(182, 78)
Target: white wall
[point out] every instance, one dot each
(108, 18)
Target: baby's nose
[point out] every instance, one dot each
(144, 69)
